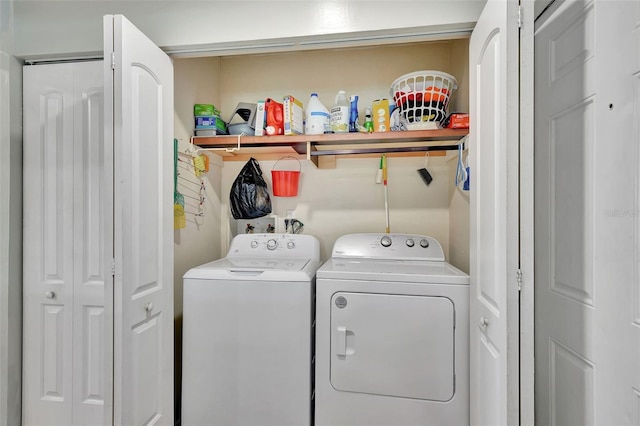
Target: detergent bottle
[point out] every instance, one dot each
(275, 117)
(317, 117)
(353, 113)
(340, 113)
(368, 121)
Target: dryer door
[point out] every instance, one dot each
(393, 345)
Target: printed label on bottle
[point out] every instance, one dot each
(340, 119)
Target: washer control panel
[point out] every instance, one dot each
(388, 246)
(276, 245)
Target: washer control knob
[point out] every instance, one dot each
(410, 242)
(272, 244)
(385, 241)
(291, 245)
(254, 244)
(424, 243)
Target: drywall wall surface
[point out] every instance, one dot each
(364, 71)
(459, 222)
(10, 238)
(6, 26)
(459, 68)
(51, 27)
(347, 199)
(196, 81)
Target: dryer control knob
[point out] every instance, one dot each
(272, 244)
(254, 244)
(291, 244)
(424, 243)
(410, 242)
(385, 241)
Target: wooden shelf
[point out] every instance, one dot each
(312, 147)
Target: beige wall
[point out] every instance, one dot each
(196, 81)
(346, 199)
(330, 202)
(459, 248)
(459, 63)
(366, 71)
(334, 202)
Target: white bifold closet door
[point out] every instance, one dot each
(494, 213)
(140, 123)
(587, 214)
(64, 232)
(98, 236)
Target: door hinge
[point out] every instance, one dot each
(519, 279)
(113, 60)
(113, 267)
(519, 16)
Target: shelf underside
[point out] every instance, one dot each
(311, 147)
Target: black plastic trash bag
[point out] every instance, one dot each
(249, 196)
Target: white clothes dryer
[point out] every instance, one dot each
(392, 334)
(247, 334)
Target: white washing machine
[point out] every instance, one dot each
(392, 334)
(247, 334)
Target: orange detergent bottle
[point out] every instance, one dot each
(275, 117)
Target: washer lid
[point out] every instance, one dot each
(255, 269)
(410, 271)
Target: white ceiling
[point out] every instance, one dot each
(73, 28)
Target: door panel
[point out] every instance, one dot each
(565, 131)
(493, 153)
(587, 348)
(90, 340)
(142, 133)
(53, 353)
(48, 243)
(393, 345)
(147, 382)
(64, 340)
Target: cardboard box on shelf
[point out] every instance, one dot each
(210, 122)
(458, 121)
(261, 118)
(381, 118)
(293, 116)
(205, 110)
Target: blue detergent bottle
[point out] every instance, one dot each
(353, 113)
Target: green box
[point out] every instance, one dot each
(205, 110)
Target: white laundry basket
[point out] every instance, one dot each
(422, 97)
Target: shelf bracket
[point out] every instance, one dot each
(313, 158)
(226, 149)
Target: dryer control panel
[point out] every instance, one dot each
(388, 246)
(275, 245)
